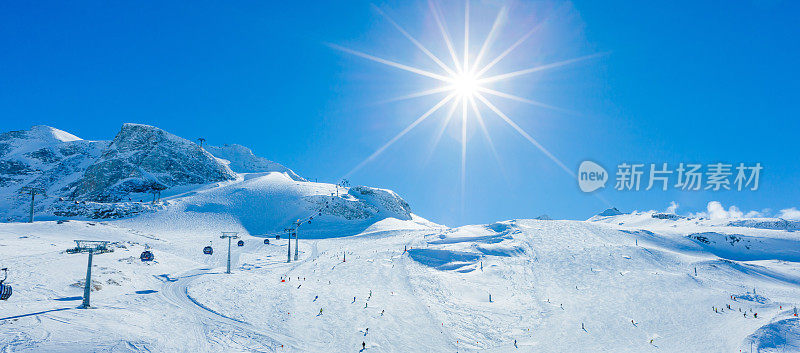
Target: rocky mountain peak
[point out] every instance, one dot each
(142, 158)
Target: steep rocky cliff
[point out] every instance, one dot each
(142, 158)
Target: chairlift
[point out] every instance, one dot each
(320, 214)
(146, 255)
(266, 241)
(5, 289)
(240, 243)
(309, 221)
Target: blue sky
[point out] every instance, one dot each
(681, 81)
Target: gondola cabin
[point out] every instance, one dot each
(146, 256)
(5, 289)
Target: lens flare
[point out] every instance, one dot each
(465, 83)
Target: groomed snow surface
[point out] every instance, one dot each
(405, 286)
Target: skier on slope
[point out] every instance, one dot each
(363, 345)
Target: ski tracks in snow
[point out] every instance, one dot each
(213, 326)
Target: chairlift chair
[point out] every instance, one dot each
(5, 289)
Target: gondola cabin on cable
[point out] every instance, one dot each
(146, 256)
(208, 250)
(5, 289)
(278, 237)
(266, 241)
(240, 243)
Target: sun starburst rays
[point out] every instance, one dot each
(466, 84)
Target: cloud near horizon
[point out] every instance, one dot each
(715, 210)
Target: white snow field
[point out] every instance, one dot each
(368, 269)
(555, 286)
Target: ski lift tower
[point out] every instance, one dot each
(296, 238)
(289, 248)
(33, 192)
(156, 195)
(92, 247)
(229, 236)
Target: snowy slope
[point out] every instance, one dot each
(369, 270)
(242, 160)
(625, 285)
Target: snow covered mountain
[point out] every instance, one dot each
(242, 160)
(368, 271)
(42, 157)
(143, 158)
(219, 185)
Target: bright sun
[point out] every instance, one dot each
(465, 83)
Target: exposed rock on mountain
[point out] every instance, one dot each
(383, 199)
(610, 212)
(42, 157)
(111, 180)
(766, 223)
(242, 160)
(143, 158)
